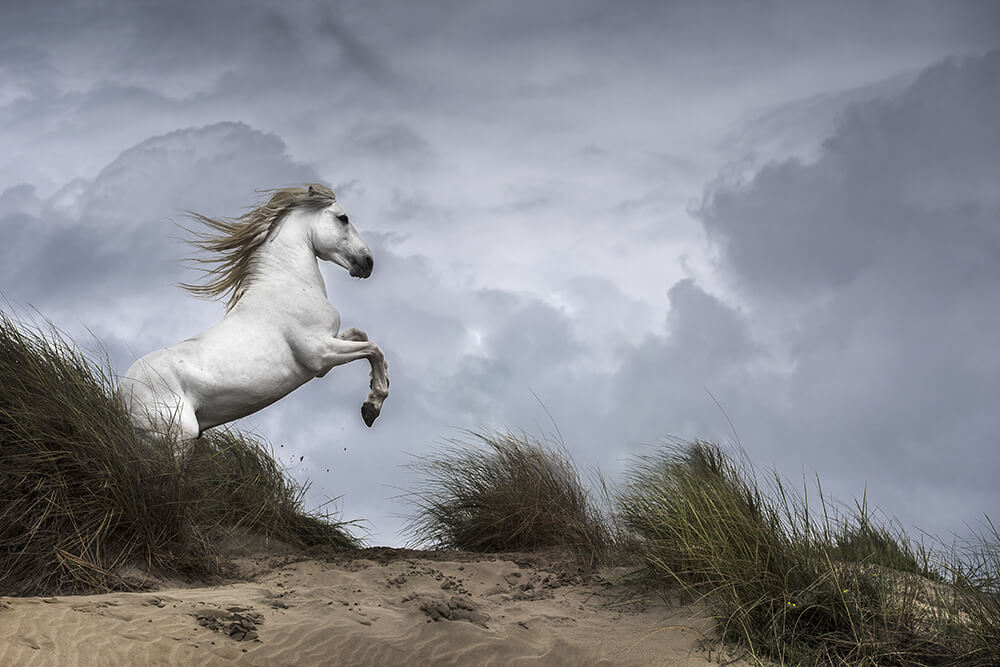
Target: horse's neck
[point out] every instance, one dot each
(286, 265)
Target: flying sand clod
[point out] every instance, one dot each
(279, 330)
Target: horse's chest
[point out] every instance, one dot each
(315, 319)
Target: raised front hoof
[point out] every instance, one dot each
(369, 413)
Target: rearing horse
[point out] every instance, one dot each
(279, 330)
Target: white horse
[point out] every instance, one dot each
(279, 330)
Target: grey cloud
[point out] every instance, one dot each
(309, 67)
(357, 54)
(528, 338)
(407, 206)
(80, 242)
(222, 163)
(179, 37)
(131, 71)
(609, 324)
(872, 270)
(889, 180)
(665, 383)
(388, 141)
(796, 129)
(43, 130)
(27, 71)
(21, 199)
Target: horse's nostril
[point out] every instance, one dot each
(369, 262)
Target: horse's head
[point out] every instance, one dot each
(336, 240)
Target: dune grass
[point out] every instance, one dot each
(82, 495)
(800, 584)
(787, 581)
(500, 491)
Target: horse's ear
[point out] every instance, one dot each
(312, 191)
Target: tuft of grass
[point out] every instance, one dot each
(499, 491)
(972, 602)
(233, 481)
(798, 585)
(82, 494)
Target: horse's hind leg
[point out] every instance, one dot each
(188, 431)
(156, 402)
(177, 426)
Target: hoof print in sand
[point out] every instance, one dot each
(237, 623)
(453, 609)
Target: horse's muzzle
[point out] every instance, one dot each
(363, 268)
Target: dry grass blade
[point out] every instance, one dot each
(506, 492)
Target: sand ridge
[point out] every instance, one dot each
(374, 607)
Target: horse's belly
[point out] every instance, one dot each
(235, 381)
(228, 406)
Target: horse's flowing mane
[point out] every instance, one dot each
(232, 249)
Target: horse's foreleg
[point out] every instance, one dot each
(354, 334)
(351, 345)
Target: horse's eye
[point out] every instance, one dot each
(343, 218)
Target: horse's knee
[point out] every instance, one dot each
(353, 333)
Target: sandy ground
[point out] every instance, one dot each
(373, 607)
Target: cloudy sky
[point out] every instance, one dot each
(623, 209)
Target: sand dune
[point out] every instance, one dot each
(374, 607)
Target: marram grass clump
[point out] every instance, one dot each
(498, 492)
(82, 494)
(800, 584)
